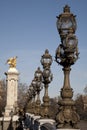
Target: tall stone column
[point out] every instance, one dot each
(12, 89)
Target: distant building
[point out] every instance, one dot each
(84, 97)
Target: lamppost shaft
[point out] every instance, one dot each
(66, 77)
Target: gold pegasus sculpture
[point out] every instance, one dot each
(12, 62)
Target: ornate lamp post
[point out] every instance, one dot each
(31, 99)
(33, 85)
(46, 61)
(66, 55)
(38, 77)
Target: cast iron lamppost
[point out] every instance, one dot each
(46, 61)
(66, 55)
(38, 77)
(30, 99)
(33, 93)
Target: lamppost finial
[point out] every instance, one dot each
(66, 9)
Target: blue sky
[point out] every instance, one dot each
(28, 27)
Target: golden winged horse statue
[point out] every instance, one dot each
(12, 62)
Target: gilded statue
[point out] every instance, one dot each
(12, 62)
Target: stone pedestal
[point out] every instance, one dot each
(12, 90)
(8, 123)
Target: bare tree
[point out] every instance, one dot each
(22, 90)
(80, 106)
(2, 96)
(85, 90)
